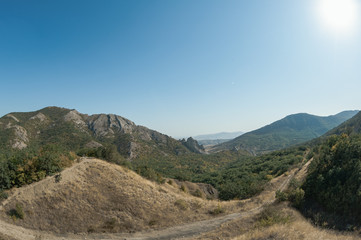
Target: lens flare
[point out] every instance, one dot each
(339, 16)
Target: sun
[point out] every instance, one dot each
(339, 16)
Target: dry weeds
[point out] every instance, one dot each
(96, 196)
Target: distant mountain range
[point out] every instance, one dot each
(291, 130)
(216, 138)
(221, 135)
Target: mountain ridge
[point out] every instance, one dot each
(290, 130)
(75, 130)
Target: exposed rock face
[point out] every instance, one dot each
(93, 144)
(103, 125)
(13, 117)
(21, 137)
(193, 145)
(74, 116)
(41, 117)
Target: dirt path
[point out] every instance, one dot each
(177, 232)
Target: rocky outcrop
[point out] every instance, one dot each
(41, 117)
(74, 116)
(104, 125)
(93, 144)
(21, 138)
(13, 117)
(193, 145)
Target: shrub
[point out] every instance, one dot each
(198, 193)
(18, 212)
(270, 216)
(297, 197)
(281, 196)
(181, 204)
(218, 210)
(57, 178)
(183, 188)
(3, 195)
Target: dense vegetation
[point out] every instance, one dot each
(334, 180)
(23, 167)
(248, 175)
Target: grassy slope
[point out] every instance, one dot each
(95, 196)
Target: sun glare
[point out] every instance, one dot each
(339, 16)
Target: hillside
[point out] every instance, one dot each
(332, 187)
(291, 130)
(352, 126)
(73, 131)
(96, 196)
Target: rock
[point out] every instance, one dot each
(13, 117)
(103, 125)
(41, 117)
(21, 137)
(193, 145)
(74, 116)
(93, 144)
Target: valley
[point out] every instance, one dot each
(66, 175)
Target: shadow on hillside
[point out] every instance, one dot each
(321, 218)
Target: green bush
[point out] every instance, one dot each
(281, 196)
(271, 215)
(18, 212)
(3, 195)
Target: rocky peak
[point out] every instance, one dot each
(103, 125)
(193, 145)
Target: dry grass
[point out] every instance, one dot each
(299, 228)
(95, 196)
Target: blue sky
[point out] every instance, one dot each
(181, 67)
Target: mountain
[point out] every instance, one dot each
(351, 126)
(291, 130)
(216, 138)
(73, 131)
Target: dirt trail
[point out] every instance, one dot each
(178, 232)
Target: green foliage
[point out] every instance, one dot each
(248, 175)
(281, 196)
(334, 179)
(150, 174)
(271, 215)
(31, 164)
(108, 153)
(18, 212)
(3, 195)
